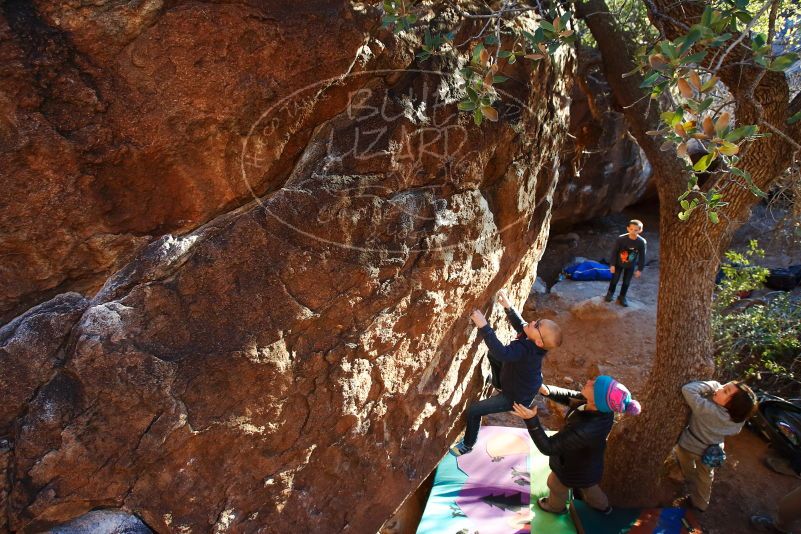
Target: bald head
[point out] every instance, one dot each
(551, 334)
(544, 333)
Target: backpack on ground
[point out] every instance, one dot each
(781, 279)
(588, 270)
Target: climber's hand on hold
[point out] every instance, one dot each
(503, 299)
(478, 318)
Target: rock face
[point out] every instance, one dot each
(603, 169)
(120, 122)
(301, 361)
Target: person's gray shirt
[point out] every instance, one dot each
(709, 422)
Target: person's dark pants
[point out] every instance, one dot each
(497, 404)
(627, 273)
(495, 367)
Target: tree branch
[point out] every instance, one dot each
(617, 60)
(742, 36)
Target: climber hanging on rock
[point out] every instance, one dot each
(516, 367)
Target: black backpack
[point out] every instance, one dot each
(779, 421)
(781, 279)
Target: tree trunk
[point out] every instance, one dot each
(688, 263)
(689, 255)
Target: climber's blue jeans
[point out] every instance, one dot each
(497, 404)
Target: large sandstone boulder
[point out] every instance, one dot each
(300, 362)
(603, 169)
(122, 121)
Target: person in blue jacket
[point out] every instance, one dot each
(516, 367)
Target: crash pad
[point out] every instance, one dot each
(493, 489)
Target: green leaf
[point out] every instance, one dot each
(704, 163)
(759, 40)
(478, 117)
(705, 104)
(746, 176)
(504, 53)
(795, 118)
(477, 52)
(713, 217)
(719, 40)
(691, 38)
(695, 58)
(728, 149)
(499, 79)
(656, 91)
(547, 26)
(467, 106)
(672, 118)
(685, 205)
(491, 39)
(668, 49)
(709, 84)
(741, 133)
(706, 18)
(650, 80)
(683, 215)
(783, 62)
(739, 172)
(743, 17)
